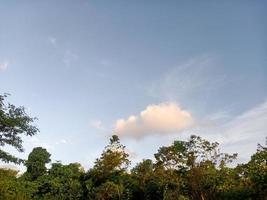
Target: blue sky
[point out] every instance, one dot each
(81, 66)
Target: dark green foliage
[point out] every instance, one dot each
(112, 163)
(13, 188)
(36, 162)
(185, 170)
(14, 122)
(61, 182)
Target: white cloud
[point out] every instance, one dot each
(250, 126)
(36, 142)
(69, 57)
(97, 124)
(237, 134)
(244, 132)
(4, 66)
(62, 141)
(161, 119)
(53, 41)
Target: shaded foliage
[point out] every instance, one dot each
(14, 122)
(36, 162)
(185, 170)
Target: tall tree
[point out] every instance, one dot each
(109, 172)
(114, 159)
(256, 172)
(61, 182)
(197, 161)
(36, 162)
(14, 122)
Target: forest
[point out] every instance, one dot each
(193, 169)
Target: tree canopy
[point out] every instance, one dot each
(185, 170)
(14, 122)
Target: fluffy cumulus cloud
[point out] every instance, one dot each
(165, 118)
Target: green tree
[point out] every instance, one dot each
(8, 184)
(194, 163)
(109, 191)
(143, 172)
(172, 157)
(109, 171)
(255, 173)
(14, 122)
(204, 159)
(232, 185)
(61, 182)
(13, 188)
(113, 160)
(36, 163)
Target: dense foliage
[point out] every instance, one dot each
(193, 169)
(185, 170)
(14, 122)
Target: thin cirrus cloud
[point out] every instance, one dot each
(245, 131)
(237, 134)
(249, 126)
(161, 119)
(189, 81)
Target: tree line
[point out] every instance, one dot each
(193, 169)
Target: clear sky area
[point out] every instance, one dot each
(150, 71)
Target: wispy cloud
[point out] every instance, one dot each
(240, 133)
(161, 119)
(97, 124)
(52, 41)
(69, 57)
(62, 141)
(3, 66)
(198, 76)
(249, 126)
(36, 142)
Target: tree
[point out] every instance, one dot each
(61, 182)
(7, 183)
(108, 191)
(185, 170)
(109, 173)
(36, 162)
(143, 172)
(13, 188)
(204, 159)
(114, 159)
(172, 157)
(255, 172)
(197, 162)
(14, 122)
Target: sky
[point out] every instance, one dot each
(150, 71)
